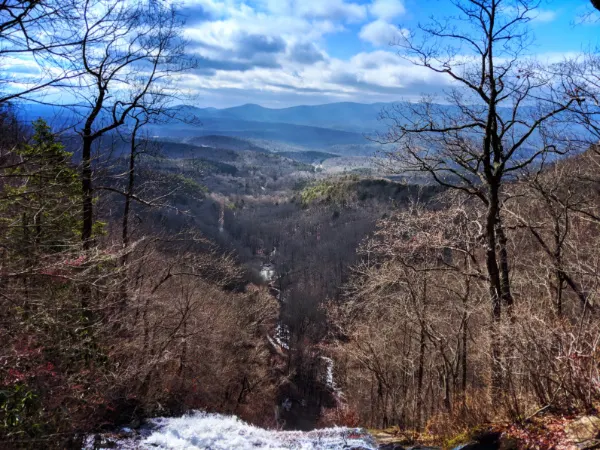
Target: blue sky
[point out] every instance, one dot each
(280, 53)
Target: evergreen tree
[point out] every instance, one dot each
(42, 208)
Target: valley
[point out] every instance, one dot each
(292, 225)
(341, 224)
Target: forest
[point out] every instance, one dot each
(430, 279)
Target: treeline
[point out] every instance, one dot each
(120, 330)
(105, 320)
(415, 333)
(310, 242)
(481, 305)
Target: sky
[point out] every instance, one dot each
(280, 53)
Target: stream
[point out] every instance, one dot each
(200, 430)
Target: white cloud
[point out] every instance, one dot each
(381, 33)
(210, 8)
(544, 15)
(330, 10)
(247, 36)
(377, 76)
(274, 50)
(340, 10)
(387, 9)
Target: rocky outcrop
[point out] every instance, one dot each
(392, 446)
(584, 432)
(482, 440)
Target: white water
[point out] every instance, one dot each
(282, 336)
(267, 272)
(217, 432)
(329, 374)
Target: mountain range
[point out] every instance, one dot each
(314, 127)
(351, 117)
(338, 128)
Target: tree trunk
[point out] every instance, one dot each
(125, 225)
(507, 298)
(420, 376)
(465, 332)
(495, 288)
(87, 192)
(88, 220)
(129, 192)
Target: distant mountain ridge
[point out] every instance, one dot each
(345, 116)
(304, 135)
(313, 127)
(338, 128)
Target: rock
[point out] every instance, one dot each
(423, 447)
(589, 445)
(391, 446)
(103, 442)
(489, 440)
(508, 443)
(584, 429)
(397, 446)
(477, 446)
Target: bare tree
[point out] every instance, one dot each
(490, 131)
(35, 38)
(129, 50)
(543, 204)
(407, 316)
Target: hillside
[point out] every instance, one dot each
(299, 225)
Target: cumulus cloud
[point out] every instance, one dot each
(259, 43)
(275, 50)
(387, 9)
(339, 10)
(381, 33)
(230, 49)
(195, 11)
(22, 66)
(305, 53)
(247, 38)
(330, 10)
(373, 76)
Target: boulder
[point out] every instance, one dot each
(396, 446)
(423, 447)
(489, 440)
(589, 445)
(584, 429)
(391, 446)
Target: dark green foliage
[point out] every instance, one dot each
(40, 207)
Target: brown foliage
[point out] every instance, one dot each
(417, 329)
(182, 341)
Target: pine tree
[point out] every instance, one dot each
(42, 209)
